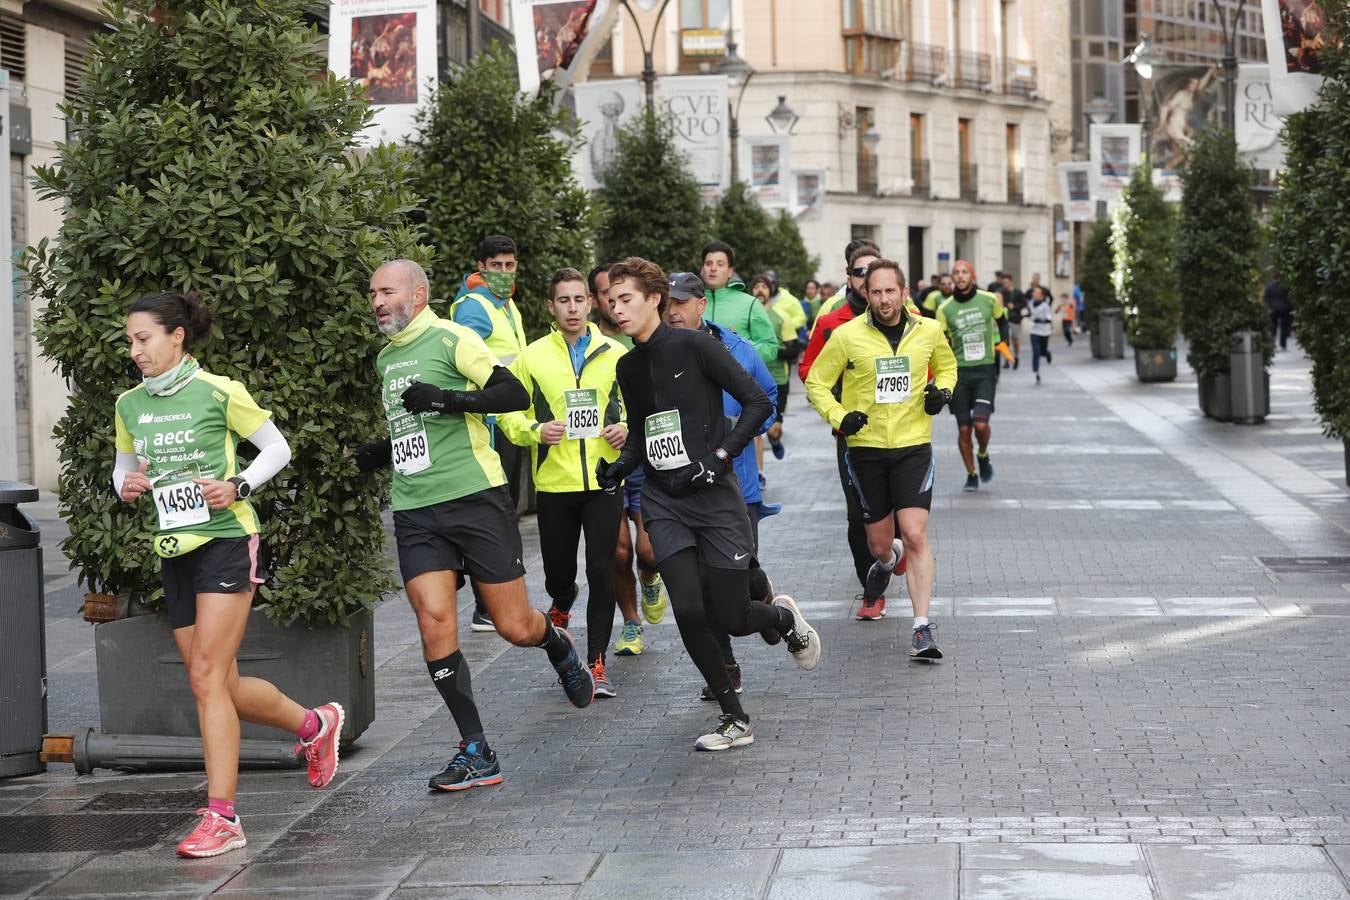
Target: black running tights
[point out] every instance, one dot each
(563, 518)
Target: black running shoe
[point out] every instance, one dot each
(986, 468)
(574, 675)
(734, 670)
(923, 646)
(972, 483)
(482, 621)
(475, 765)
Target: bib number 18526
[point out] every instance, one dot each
(583, 413)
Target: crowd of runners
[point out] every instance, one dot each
(644, 414)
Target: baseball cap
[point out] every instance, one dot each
(684, 285)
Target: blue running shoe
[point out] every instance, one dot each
(924, 646)
(575, 676)
(879, 576)
(769, 509)
(475, 765)
(779, 451)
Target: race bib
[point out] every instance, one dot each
(179, 501)
(972, 345)
(582, 413)
(412, 452)
(665, 441)
(892, 379)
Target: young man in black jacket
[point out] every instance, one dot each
(672, 383)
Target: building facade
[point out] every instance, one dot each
(934, 121)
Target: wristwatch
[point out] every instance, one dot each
(723, 455)
(241, 487)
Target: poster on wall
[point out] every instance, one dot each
(1186, 100)
(1257, 124)
(764, 165)
(1075, 187)
(389, 46)
(549, 34)
(1114, 153)
(697, 105)
(603, 107)
(1295, 37)
(809, 191)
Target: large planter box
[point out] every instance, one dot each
(143, 688)
(1216, 396)
(1156, 365)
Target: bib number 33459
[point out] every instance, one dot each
(665, 441)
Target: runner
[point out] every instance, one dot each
(945, 288)
(484, 304)
(175, 437)
(685, 310)
(838, 299)
(855, 306)
(1015, 302)
(731, 307)
(812, 298)
(654, 600)
(452, 513)
(672, 383)
(888, 423)
(1041, 326)
(976, 324)
(575, 416)
(764, 289)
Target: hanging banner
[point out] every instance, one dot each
(549, 37)
(765, 161)
(602, 108)
(1075, 189)
(390, 47)
(1185, 100)
(1257, 124)
(698, 106)
(1295, 37)
(1114, 152)
(809, 189)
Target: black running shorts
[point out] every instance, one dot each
(713, 519)
(973, 399)
(475, 535)
(887, 480)
(224, 565)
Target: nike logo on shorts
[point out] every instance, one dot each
(741, 556)
(679, 373)
(229, 585)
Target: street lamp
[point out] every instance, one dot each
(1143, 60)
(782, 118)
(738, 73)
(1230, 62)
(1099, 110)
(645, 41)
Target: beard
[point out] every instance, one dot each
(399, 319)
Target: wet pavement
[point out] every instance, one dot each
(1144, 695)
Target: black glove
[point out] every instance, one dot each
(790, 350)
(708, 470)
(853, 423)
(374, 455)
(934, 398)
(421, 397)
(608, 474)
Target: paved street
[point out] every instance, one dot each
(1144, 695)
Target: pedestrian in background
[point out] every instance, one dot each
(1066, 306)
(1281, 310)
(1042, 325)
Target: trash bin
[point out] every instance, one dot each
(1110, 340)
(1251, 398)
(23, 647)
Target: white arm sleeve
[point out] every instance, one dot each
(273, 455)
(126, 462)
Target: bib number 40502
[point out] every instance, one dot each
(665, 441)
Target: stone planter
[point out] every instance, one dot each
(143, 688)
(1156, 365)
(1221, 397)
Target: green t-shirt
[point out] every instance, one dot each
(971, 328)
(446, 456)
(190, 434)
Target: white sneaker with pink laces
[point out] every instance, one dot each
(213, 836)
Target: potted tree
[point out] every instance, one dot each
(1094, 279)
(1144, 245)
(210, 152)
(1218, 246)
(1310, 230)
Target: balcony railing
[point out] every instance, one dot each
(970, 181)
(1015, 186)
(925, 63)
(974, 70)
(1019, 77)
(867, 173)
(920, 173)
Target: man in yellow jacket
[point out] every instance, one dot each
(575, 419)
(883, 357)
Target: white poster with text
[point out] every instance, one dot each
(390, 47)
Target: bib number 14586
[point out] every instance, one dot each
(180, 503)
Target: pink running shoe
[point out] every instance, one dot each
(213, 836)
(322, 752)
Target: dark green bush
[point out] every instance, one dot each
(210, 152)
(1094, 275)
(1218, 248)
(1312, 229)
(761, 241)
(1143, 240)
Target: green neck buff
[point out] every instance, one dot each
(500, 283)
(172, 381)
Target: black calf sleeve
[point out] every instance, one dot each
(451, 677)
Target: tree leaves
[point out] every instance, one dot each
(1145, 277)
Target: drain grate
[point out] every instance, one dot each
(81, 831)
(1321, 565)
(148, 801)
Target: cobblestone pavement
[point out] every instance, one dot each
(1144, 616)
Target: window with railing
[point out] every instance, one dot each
(920, 171)
(973, 70)
(703, 18)
(874, 32)
(968, 174)
(1019, 77)
(867, 157)
(924, 63)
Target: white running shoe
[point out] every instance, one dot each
(802, 641)
(732, 732)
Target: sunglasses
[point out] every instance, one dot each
(858, 272)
